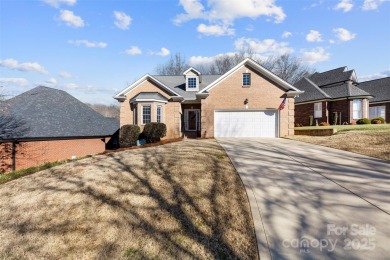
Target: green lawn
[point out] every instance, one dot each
(343, 128)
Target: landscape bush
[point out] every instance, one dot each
(378, 120)
(363, 121)
(128, 135)
(153, 132)
(324, 124)
(335, 118)
(311, 120)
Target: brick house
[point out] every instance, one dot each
(243, 102)
(328, 93)
(55, 126)
(380, 103)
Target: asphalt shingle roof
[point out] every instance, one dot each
(312, 91)
(178, 84)
(331, 76)
(378, 88)
(52, 113)
(150, 95)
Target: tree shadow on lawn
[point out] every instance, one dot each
(174, 201)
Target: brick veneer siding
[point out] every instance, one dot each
(303, 111)
(171, 110)
(262, 94)
(387, 104)
(30, 154)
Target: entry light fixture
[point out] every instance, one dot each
(246, 101)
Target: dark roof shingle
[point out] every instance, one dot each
(52, 113)
(378, 88)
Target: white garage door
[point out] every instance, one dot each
(245, 123)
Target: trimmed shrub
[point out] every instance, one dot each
(153, 132)
(311, 120)
(128, 135)
(363, 121)
(324, 124)
(380, 119)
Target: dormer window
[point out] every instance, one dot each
(193, 79)
(191, 83)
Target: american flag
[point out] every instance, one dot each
(282, 104)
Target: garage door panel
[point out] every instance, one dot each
(245, 123)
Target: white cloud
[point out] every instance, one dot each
(229, 10)
(17, 81)
(203, 60)
(225, 12)
(71, 19)
(315, 55)
(343, 34)
(345, 5)
(52, 81)
(27, 66)
(163, 52)
(377, 75)
(122, 20)
(372, 4)
(69, 86)
(65, 75)
(88, 44)
(267, 47)
(134, 50)
(215, 30)
(57, 3)
(313, 36)
(286, 34)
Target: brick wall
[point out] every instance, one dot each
(343, 106)
(171, 110)
(262, 94)
(30, 154)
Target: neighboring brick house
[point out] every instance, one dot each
(243, 102)
(56, 126)
(328, 93)
(380, 103)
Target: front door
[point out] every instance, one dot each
(192, 119)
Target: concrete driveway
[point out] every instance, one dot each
(314, 202)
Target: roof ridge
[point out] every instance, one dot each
(374, 80)
(317, 87)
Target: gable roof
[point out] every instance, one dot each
(379, 88)
(121, 95)
(333, 76)
(192, 69)
(53, 113)
(312, 91)
(149, 96)
(178, 84)
(257, 67)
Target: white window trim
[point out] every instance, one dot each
(142, 114)
(196, 82)
(360, 115)
(161, 114)
(318, 111)
(197, 119)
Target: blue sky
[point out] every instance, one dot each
(93, 49)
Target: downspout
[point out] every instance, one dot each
(14, 155)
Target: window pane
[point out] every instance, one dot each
(317, 110)
(146, 114)
(159, 108)
(246, 79)
(191, 82)
(357, 108)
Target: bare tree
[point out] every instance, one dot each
(106, 110)
(11, 126)
(175, 66)
(287, 67)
